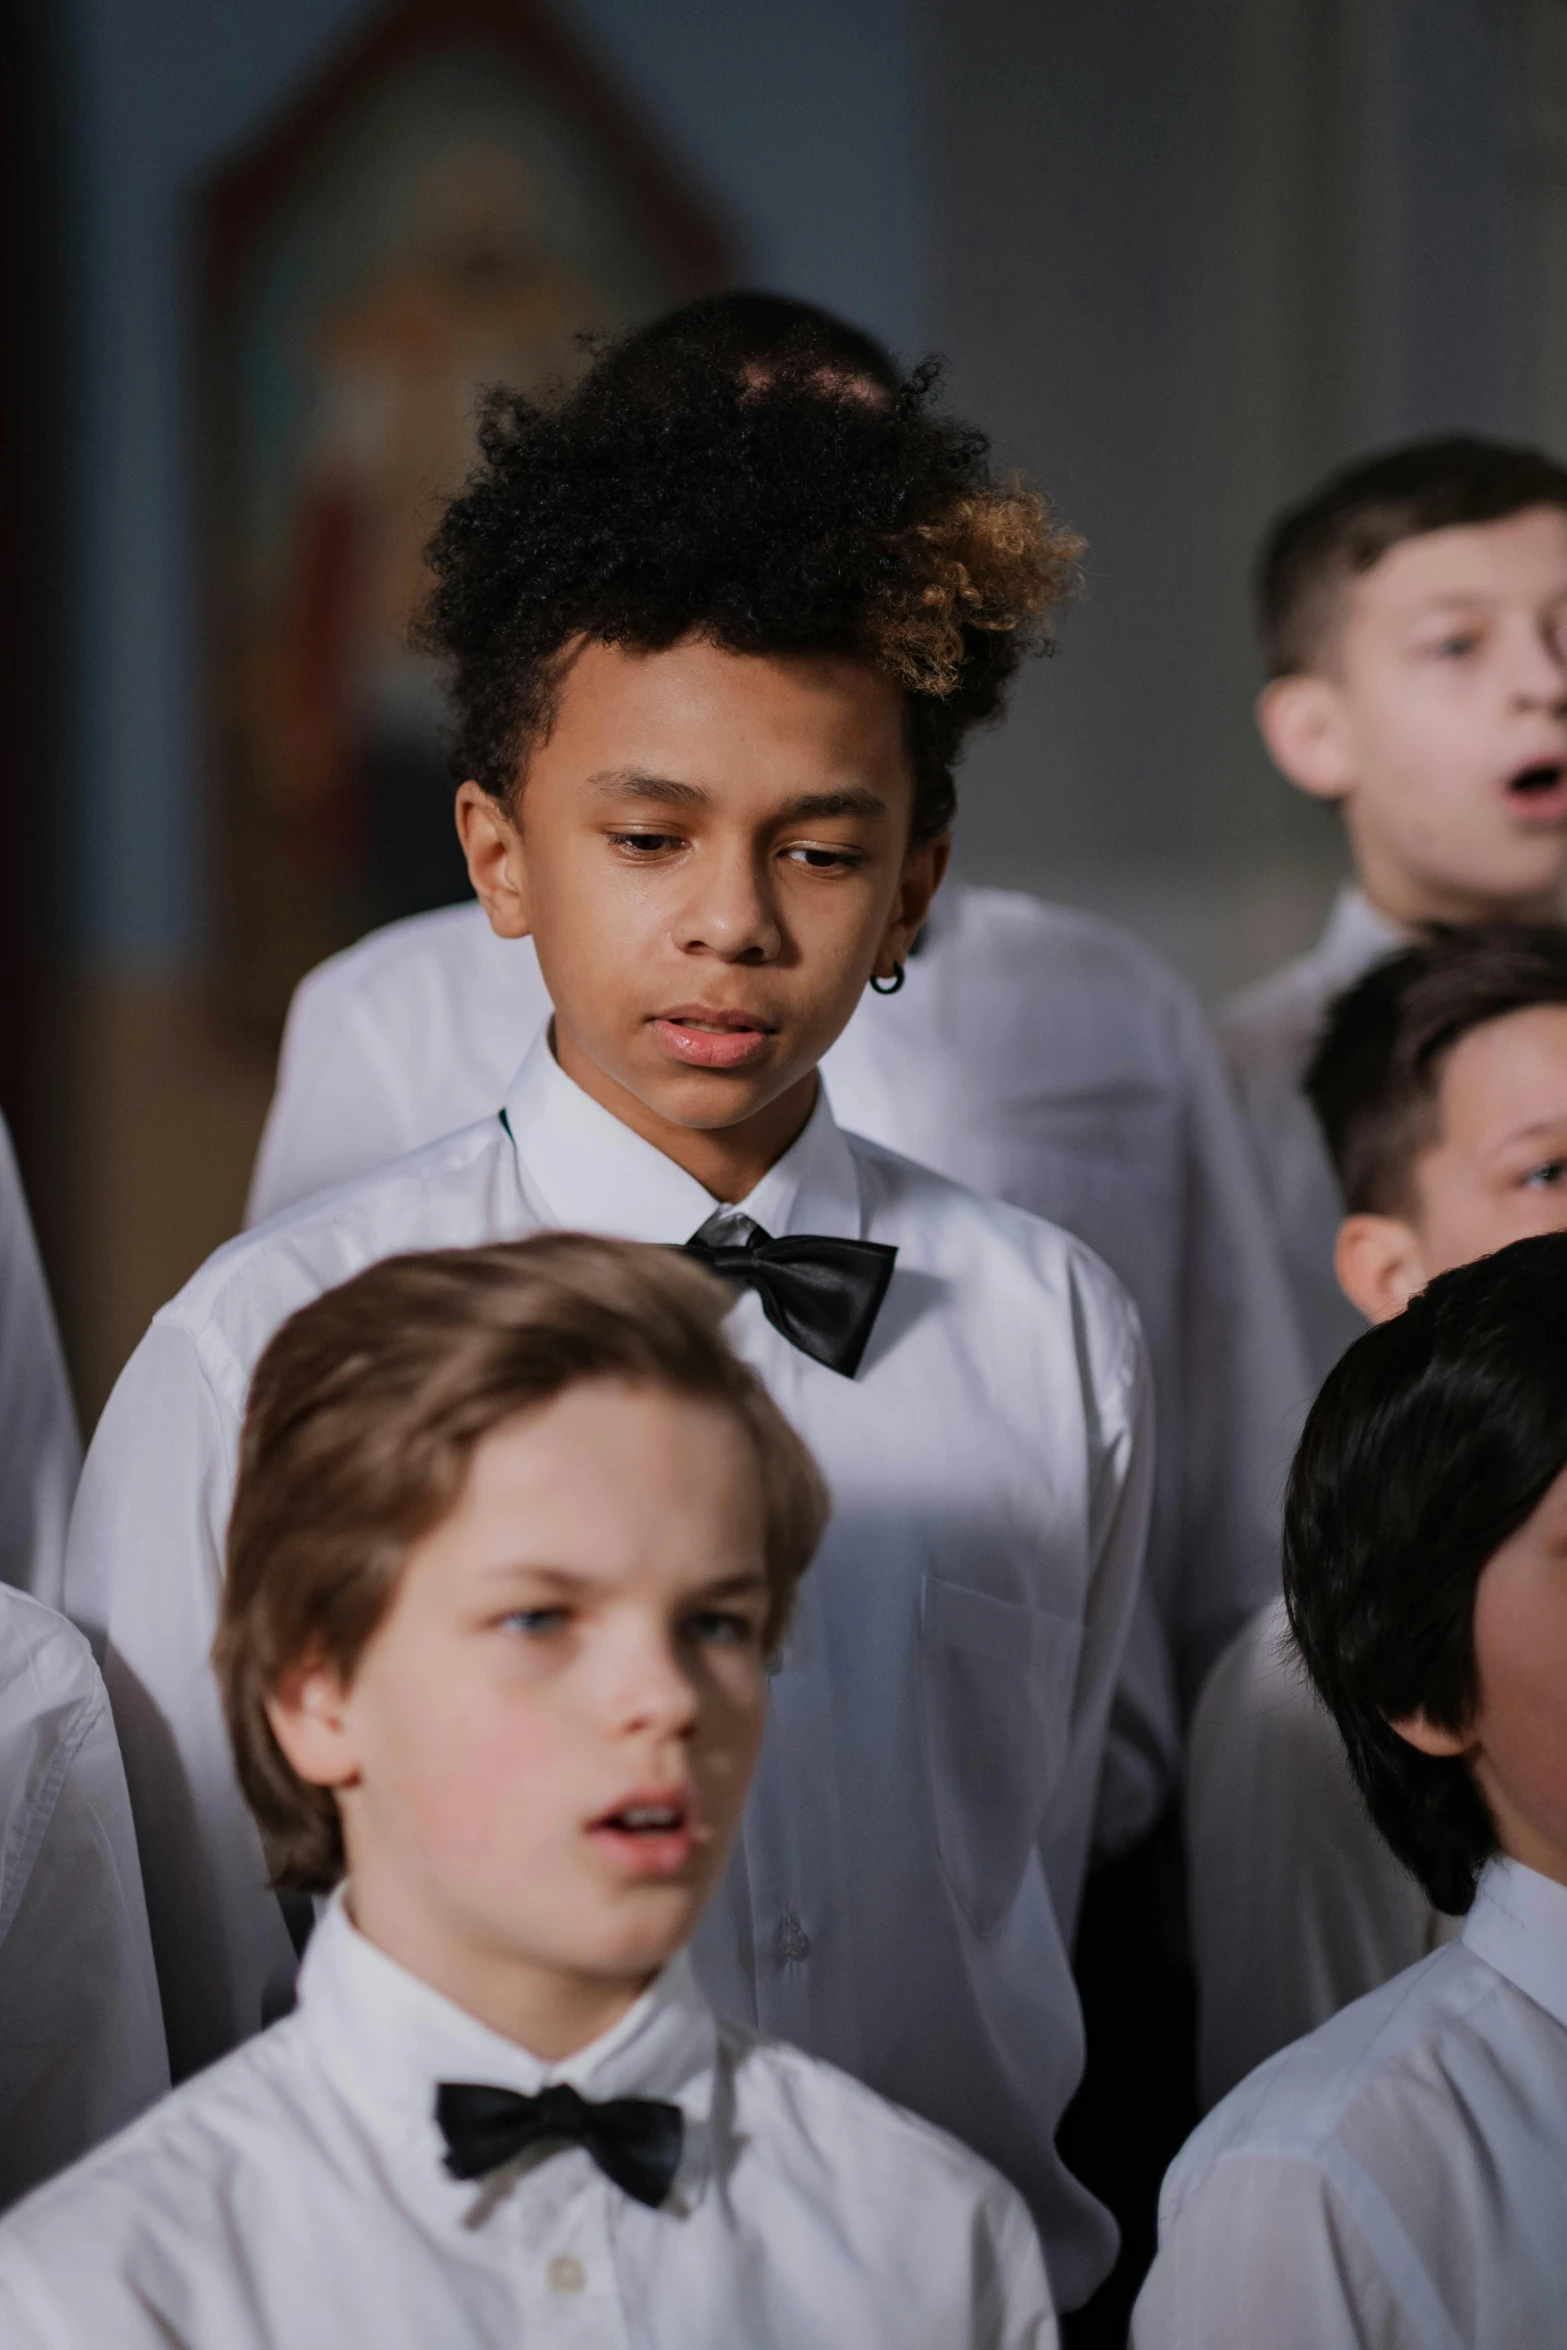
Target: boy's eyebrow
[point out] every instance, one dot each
(565, 1580)
(1554, 1124)
(850, 800)
(639, 783)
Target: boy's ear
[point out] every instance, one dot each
(1428, 1737)
(918, 883)
(308, 1714)
(1303, 723)
(492, 845)
(1379, 1264)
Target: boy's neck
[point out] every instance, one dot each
(728, 1161)
(553, 2012)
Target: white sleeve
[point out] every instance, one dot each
(1118, 1536)
(339, 1109)
(1245, 1381)
(145, 1567)
(1018, 2312)
(81, 2031)
(40, 1451)
(1265, 2254)
(1297, 1906)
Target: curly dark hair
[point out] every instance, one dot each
(770, 510)
(1434, 1438)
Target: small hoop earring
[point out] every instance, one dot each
(889, 986)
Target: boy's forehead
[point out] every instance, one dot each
(1508, 1074)
(1521, 558)
(700, 714)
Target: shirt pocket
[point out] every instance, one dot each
(996, 1688)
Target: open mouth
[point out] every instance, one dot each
(1541, 781)
(651, 1836)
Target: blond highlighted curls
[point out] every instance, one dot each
(1000, 560)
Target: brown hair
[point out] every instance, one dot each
(362, 1419)
(1376, 1074)
(1342, 529)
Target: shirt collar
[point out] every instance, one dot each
(1519, 1925)
(590, 1173)
(1355, 936)
(390, 2039)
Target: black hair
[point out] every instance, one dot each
(746, 330)
(764, 503)
(1352, 521)
(1434, 1438)
(1375, 1077)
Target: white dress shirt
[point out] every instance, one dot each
(1400, 2178)
(40, 1451)
(81, 2032)
(915, 1843)
(295, 2198)
(1268, 1034)
(1297, 1906)
(1036, 1055)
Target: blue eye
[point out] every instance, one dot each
(1547, 1176)
(718, 1628)
(536, 1623)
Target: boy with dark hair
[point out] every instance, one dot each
(714, 653)
(1033, 1053)
(502, 1708)
(1441, 1087)
(1413, 618)
(1396, 2178)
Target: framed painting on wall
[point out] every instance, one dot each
(458, 199)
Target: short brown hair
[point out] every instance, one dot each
(1376, 1074)
(363, 1415)
(1342, 529)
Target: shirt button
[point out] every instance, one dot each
(792, 1939)
(565, 2274)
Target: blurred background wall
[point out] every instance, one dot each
(1180, 255)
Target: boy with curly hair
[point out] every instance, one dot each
(714, 653)
(1035, 1053)
(499, 1711)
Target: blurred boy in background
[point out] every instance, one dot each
(81, 2032)
(1441, 1088)
(1413, 616)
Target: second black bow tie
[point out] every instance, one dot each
(823, 1294)
(635, 2141)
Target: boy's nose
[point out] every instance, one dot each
(729, 914)
(648, 1689)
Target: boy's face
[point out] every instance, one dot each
(1516, 1741)
(1497, 1171)
(712, 855)
(1438, 721)
(542, 1756)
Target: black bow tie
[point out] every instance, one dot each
(824, 1295)
(635, 2141)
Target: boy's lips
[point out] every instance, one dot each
(1538, 792)
(702, 1037)
(653, 1832)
